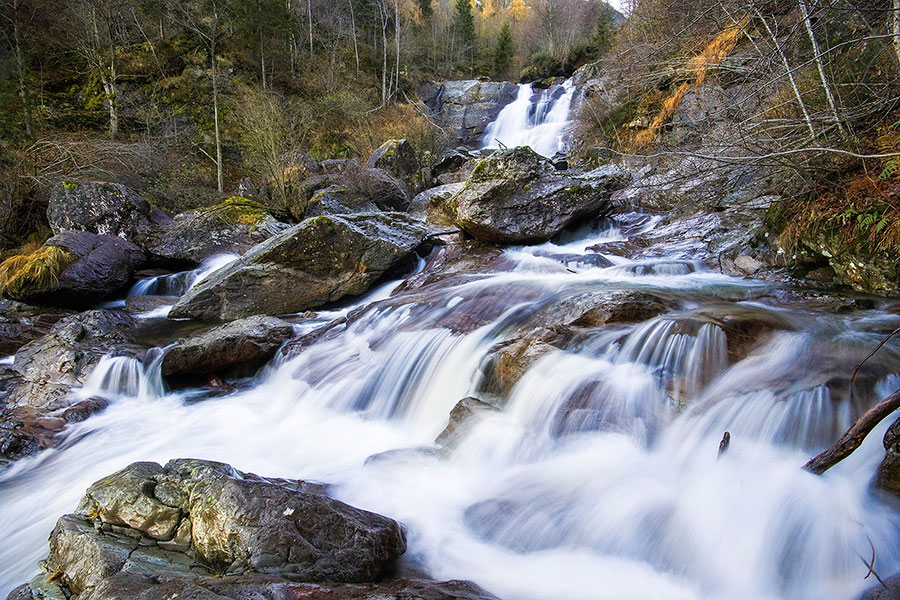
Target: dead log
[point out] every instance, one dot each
(854, 436)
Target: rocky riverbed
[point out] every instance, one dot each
(507, 365)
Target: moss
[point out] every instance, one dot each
(69, 185)
(239, 211)
(36, 272)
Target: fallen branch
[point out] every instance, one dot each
(854, 436)
(872, 353)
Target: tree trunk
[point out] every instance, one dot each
(820, 65)
(262, 60)
(353, 31)
(220, 174)
(20, 67)
(309, 15)
(397, 43)
(787, 69)
(384, 90)
(895, 22)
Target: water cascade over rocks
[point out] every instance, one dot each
(535, 118)
(596, 475)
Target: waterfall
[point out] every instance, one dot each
(533, 119)
(177, 284)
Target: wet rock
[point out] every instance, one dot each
(596, 309)
(234, 226)
(250, 340)
(338, 200)
(136, 305)
(462, 416)
(515, 196)
(435, 205)
(95, 266)
(25, 431)
(101, 208)
(888, 590)
(397, 157)
(80, 411)
(748, 264)
(51, 365)
(21, 323)
(195, 517)
(888, 477)
(508, 361)
(317, 261)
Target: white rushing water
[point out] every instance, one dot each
(598, 479)
(536, 119)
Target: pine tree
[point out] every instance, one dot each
(503, 52)
(464, 26)
(426, 9)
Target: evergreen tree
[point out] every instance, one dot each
(464, 26)
(503, 52)
(426, 9)
(602, 39)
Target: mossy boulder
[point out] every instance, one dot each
(74, 268)
(338, 200)
(516, 196)
(315, 262)
(233, 226)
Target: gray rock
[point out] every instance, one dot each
(233, 523)
(317, 261)
(465, 108)
(101, 208)
(50, 366)
(250, 340)
(21, 323)
(515, 196)
(462, 416)
(234, 226)
(397, 157)
(338, 200)
(435, 206)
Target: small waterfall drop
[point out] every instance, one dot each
(533, 119)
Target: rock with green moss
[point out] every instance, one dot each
(72, 269)
(516, 196)
(399, 158)
(99, 207)
(233, 226)
(315, 262)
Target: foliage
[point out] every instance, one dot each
(36, 272)
(503, 52)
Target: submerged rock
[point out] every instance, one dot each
(516, 196)
(101, 208)
(462, 417)
(250, 340)
(317, 261)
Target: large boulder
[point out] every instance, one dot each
(234, 226)
(515, 196)
(317, 261)
(338, 200)
(435, 204)
(398, 157)
(101, 208)
(250, 340)
(193, 519)
(73, 268)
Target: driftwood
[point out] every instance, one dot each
(854, 436)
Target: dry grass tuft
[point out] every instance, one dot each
(35, 272)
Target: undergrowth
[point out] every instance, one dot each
(34, 272)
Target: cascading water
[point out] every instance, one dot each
(533, 119)
(598, 476)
